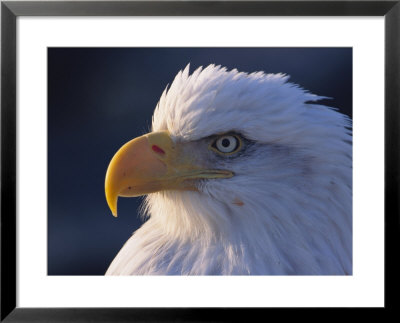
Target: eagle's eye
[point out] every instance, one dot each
(227, 144)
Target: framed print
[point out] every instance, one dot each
(266, 146)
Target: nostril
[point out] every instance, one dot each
(157, 149)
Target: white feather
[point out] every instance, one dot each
(294, 185)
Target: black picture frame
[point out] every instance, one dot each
(11, 10)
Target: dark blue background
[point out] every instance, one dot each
(99, 98)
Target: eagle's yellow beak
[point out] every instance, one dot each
(152, 163)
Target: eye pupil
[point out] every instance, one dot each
(226, 142)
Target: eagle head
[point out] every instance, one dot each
(243, 174)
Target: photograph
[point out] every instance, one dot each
(199, 161)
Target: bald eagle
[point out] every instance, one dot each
(244, 174)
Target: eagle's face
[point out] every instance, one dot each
(242, 174)
(232, 143)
